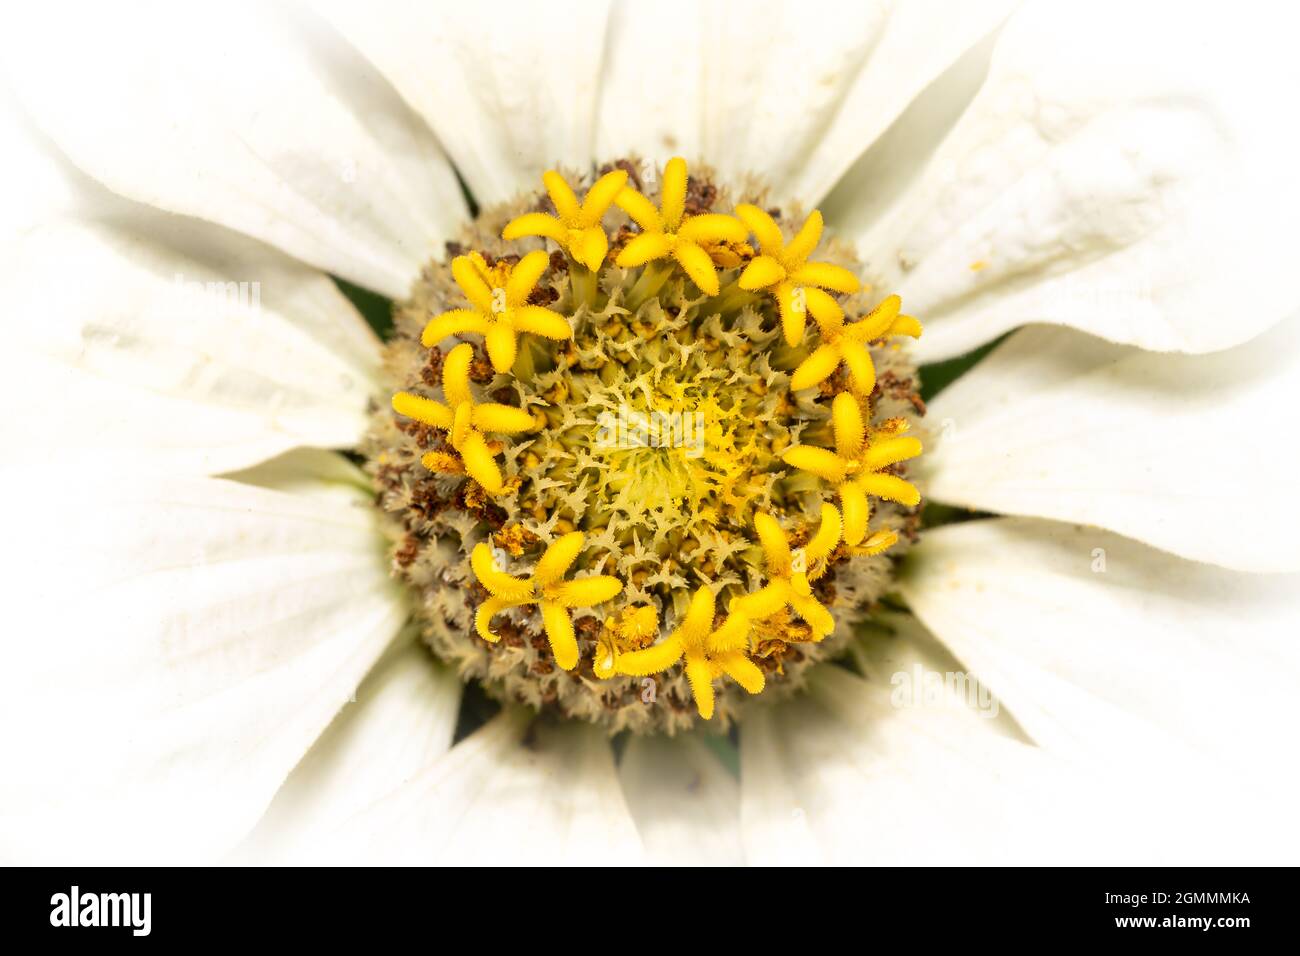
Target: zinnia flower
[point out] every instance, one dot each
(633, 536)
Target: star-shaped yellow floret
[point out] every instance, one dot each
(709, 652)
(546, 588)
(791, 571)
(499, 309)
(848, 344)
(465, 420)
(856, 467)
(784, 270)
(577, 227)
(664, 231)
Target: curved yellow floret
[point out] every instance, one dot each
(857, 468)
(784, 270)
(709, 652)
(545, 587)
(577, 226)
(465, 420)
(848, 344)
(499, 308)
(667, 233)
(791, 571)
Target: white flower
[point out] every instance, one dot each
(196, 587)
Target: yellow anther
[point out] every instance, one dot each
(465, 420)
(577, 227)
(544, 587)
(667, 232)
(631, 630)
(499, 309)
(856, 468)
(709, 652)
(790, 572)
(848, 344)
(443, 462)
(784, 270)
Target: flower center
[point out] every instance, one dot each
(626, 477)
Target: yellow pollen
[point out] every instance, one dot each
(631, 630)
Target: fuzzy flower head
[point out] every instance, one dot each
(650, 448)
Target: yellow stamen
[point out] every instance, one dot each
(631, 630)
(856, 466)
(709, 652)
(848, 344)
(664, 232)
(577, 227)
(543, 587)
(498, 297)
(791, 571)
(784, 270)
(465, 420)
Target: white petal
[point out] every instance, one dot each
(844, 774)
(157, 342)
(247, 114)
(837, 775)
(513, 793)
(1099, 644)
(1193, 454)
(38, 184)
(916, 43)
(307, 471)
(652, 84)
(1145, 197)
(794, 92)
(685, 803)
(510, 92)
(401, 720)
(174, 647)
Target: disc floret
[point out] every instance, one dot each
(783, 269)
(790, 573)
(708, 652)
(465, 420)
(545, 587)
(577, 228)
(667, 232)
(857, 466)
(500, 309)
(848, 344)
